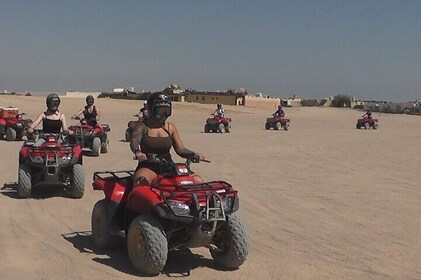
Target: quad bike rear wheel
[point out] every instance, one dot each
(105, 146)
(278, 126)
(10, 134)
(147, 246)
(24, 180)
(230, 243)
(358, 125)
(96, 146)
(221, 128)
(77, 181)
(207, 128)
(100, 225)
(267, 126)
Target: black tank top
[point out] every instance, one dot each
(155, 145)
(51, 126)
(89, 116)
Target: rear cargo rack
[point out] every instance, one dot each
(113, 174)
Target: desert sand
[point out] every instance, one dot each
(323, 200)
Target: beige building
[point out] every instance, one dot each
(224, 97)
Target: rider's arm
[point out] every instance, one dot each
(36, 123)
(78, 113)
(178, 144)
(98, 114)
(64, 124)
(136, 137)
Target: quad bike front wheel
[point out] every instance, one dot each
(375, 125)
(230, 243)
(267, 126)
(96, 146)
(146, 245)
(221, 128)
(10, 134)
(366, 125)
(77, 181)
(278, 126)
(105, 146)
(100, 225)
(24, 181)
(286, 126)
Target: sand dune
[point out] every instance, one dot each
(321, 201)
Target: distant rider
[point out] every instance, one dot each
(368, 114)
(144, 110)
(90, 112)
(280, 112)
(219, 112)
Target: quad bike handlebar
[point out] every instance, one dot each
(157, 158)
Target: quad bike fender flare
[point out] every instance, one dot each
(77, 152)
(3, 122)
(76, 159)
(142, 200)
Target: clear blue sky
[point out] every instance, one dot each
(367, 49)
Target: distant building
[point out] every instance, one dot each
(175, 93)
(216, 97)
(81, 94)
(389, 107)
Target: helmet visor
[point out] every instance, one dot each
(53, 102)
(163, 111)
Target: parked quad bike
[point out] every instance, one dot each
(94, 138)
(277, 122)
(218, 124)
(367, 123)
(13, 124)
(50, 161)
(170, 214)
(130, 125)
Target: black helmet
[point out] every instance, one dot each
(159, 107)
(90, 100)
(219, 106)
(52, 101)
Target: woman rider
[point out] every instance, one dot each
(53, 121)
(156, 136)
(90, 112)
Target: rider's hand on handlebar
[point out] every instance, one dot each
(30, 130)
(140, 156)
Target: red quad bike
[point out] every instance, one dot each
(13, 124)
(170, 214)
(50, 161)
(91, 137)
(367, 123)
(218, 124)
(130, 125)
(277, 123)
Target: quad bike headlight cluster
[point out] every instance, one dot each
(226, 203)
(37, 159)
(66, 159)
(178, 208)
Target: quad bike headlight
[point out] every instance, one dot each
(226, 203)
(178, 208)
(19, 125)
(66, 159)
(37, 159)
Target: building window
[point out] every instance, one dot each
(203, 98)
(197, 97)
(212, 98)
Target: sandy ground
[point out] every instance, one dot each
(321, 201)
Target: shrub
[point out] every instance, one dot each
(341, 101)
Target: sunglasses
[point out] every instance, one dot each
(164, 111)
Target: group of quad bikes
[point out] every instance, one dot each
(173, 213)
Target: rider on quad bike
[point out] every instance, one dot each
(143, 112)
(280, 112)
(13, 124)
(51, 160)
(156, 136)
(91, 113)
(219, 111)
(163, 205)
